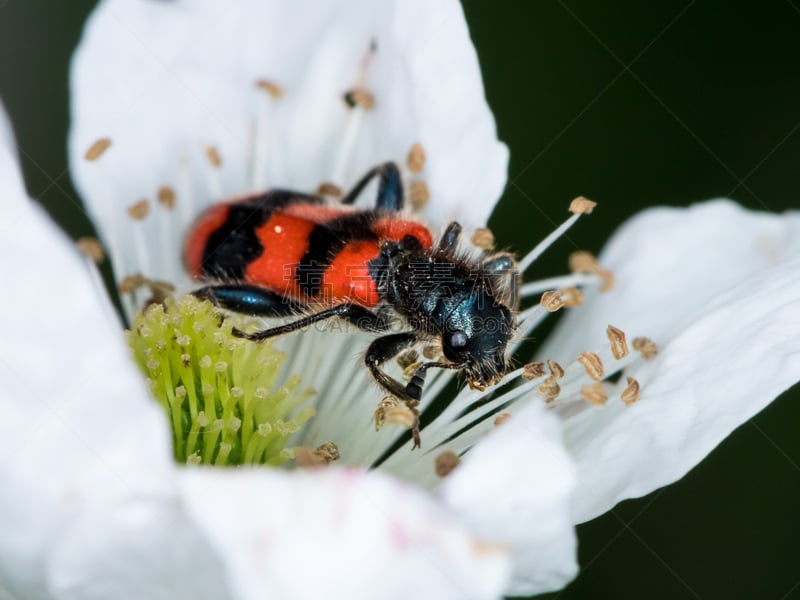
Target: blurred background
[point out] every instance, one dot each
(632, 104)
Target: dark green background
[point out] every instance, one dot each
(632, 104)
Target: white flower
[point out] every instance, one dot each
(105, 511)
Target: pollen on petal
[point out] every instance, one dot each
(582, 206)
(483, 238)
(97, 149)
(166, 197)
(631, 392)
(139, 210)
(594, 394)
(273, 89)
(646, 347)
(415, 161)
(446, 462)
(592, 365)
(418, 194)
(619, 345)
(213, 157)
(502, 418)
(90, 247)
(359, 97)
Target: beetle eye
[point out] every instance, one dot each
(457, 339)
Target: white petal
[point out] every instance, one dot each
(73, 408)
(143, 549)
(338, 534)
(515, 487)
(165, 79)
(716, 287)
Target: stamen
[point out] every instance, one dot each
(631, 393)
(556, 370)
(418, 195)
(416, 158)
(585, 262)
(562, 281)
(619, 345)
(97, 149)
(646, 347)
(446, 462)
(533, 370)
(592, 364)
(407, 358)
(594, 394)
(549, 389)
(331, 190)
(548, 241)
(432, 351)
(264, 115)
(582, 206)
(552, 301)
(91, 247)
(572, 297)
(323, 455)
(483, 238)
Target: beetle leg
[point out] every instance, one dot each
(355, 314)
(449, 238)
(249, 300)
(390, 187)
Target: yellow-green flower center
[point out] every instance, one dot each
(223, 395)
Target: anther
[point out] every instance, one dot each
(502, 418)
(272, 88)
(646, 347)
(594, 394)
(166, 197)
(418, 194)
(138, 211)
(432, 351)
(359, 97)
(407, 358)
(331, 190)
(384, 406)
(619, 345)
(533, 370)
(446, 462)
(592, 364)
(572, 297)
(90, 247)
(585, 262)
(213, 156)
(549, 389)
(97, 149)
(552, 301)
(581, 206)
(631, 393)
(556, 370)
(403, 416)
(416, 158)
(483, 238)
